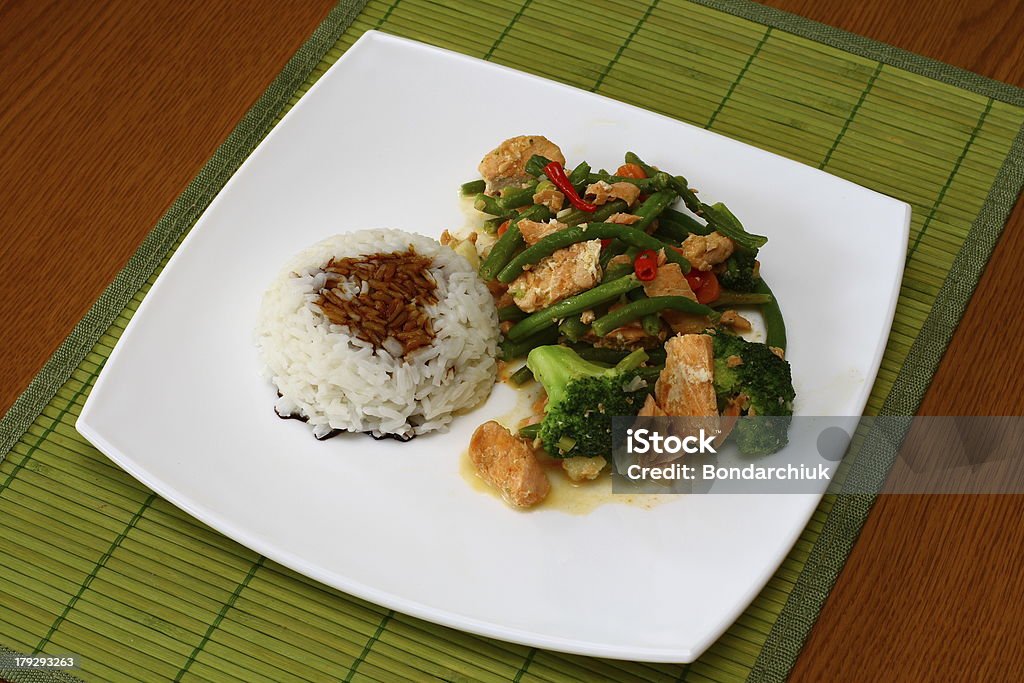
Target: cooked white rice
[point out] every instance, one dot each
(335, 380)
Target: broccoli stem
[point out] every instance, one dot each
(565, 444)
(530, 432)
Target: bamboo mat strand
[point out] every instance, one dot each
(93, 563)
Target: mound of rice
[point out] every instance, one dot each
(335, 380)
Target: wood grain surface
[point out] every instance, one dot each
(108, 109)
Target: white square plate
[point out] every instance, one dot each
(383, 140)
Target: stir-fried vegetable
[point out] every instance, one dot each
(645, 265)
(757, 380)
(575, 305)
(582, 399)
(596, 324)
(510, 240)
(638, 309)
(583, 233)
(556, 173)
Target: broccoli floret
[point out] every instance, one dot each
(751, 373)
(740, 273)
(582, 399)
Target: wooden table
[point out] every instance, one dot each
(108, 109)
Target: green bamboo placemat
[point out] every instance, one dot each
(93, 563)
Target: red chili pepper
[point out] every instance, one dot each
(556, 173)
(606, 242)
(646, 265)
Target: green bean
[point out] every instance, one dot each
(574, 305)
(685, 224)
(774, 324)
(677, 226)
(521, 376)
(617, 270)
(564, 238)
(491, 225)
(652, 208)
(718, 216)
(511, 312)
(610, 251)
(573, 328)
(651, 322)
(638, 309)
(612, 356)
(503, 250)
(580, 173)
(728, 298)
(677, 183)
(632, 158)
(530, 432)
(514, 197)
(485, 203)
(523, 344)
(472, 187)
(616, 249)
(535, 165)
(666, 236)
(725, 222)
(654, 183)
(605, 211)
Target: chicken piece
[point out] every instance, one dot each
(582, 468)
(601, 192)
(705, 251)
(735, 321)
(509, 464)
(505, 165)
(533, 232)
(670, 281)
(685, 387)
(684, 391)
(566, 272)
(623, 219)
(551, 198)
